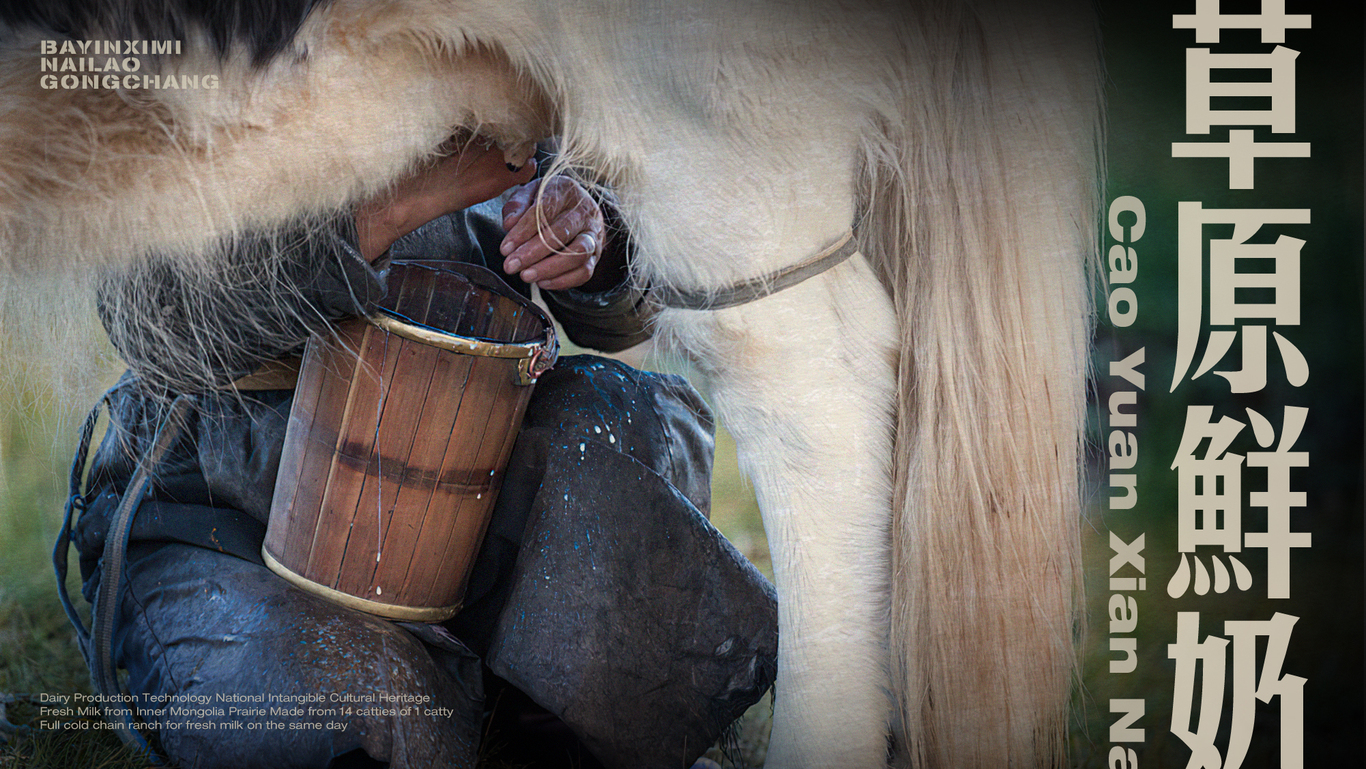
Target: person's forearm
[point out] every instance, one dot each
(468, 175)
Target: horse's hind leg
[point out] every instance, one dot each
(804, 380)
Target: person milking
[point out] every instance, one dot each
(604, 622)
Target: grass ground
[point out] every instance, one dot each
(38, 653)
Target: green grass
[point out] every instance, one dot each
(38, 652)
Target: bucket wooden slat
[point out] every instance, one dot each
(392, 459)
(441, 515)
(503, 416)
(335, 366)
(415, 299)
(353, 462)
(398, 448)
(340, 467)
(480, 416)
(440, 410)
(462, 482)
(462, 299)
(307, 392)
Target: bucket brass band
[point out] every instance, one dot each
(400, 430)
(531, 356)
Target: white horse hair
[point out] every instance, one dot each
(910, 419)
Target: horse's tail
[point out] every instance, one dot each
(980, 197)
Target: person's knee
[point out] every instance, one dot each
(657, 419)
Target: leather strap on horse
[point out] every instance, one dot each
(760, 287)
(75, 504)
(97, 644)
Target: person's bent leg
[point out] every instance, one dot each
(626, 614)
(234, 667)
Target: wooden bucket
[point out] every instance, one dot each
(397, 440)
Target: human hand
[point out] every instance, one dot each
(555, 239)
(468, 174)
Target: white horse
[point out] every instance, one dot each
(910, 418)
